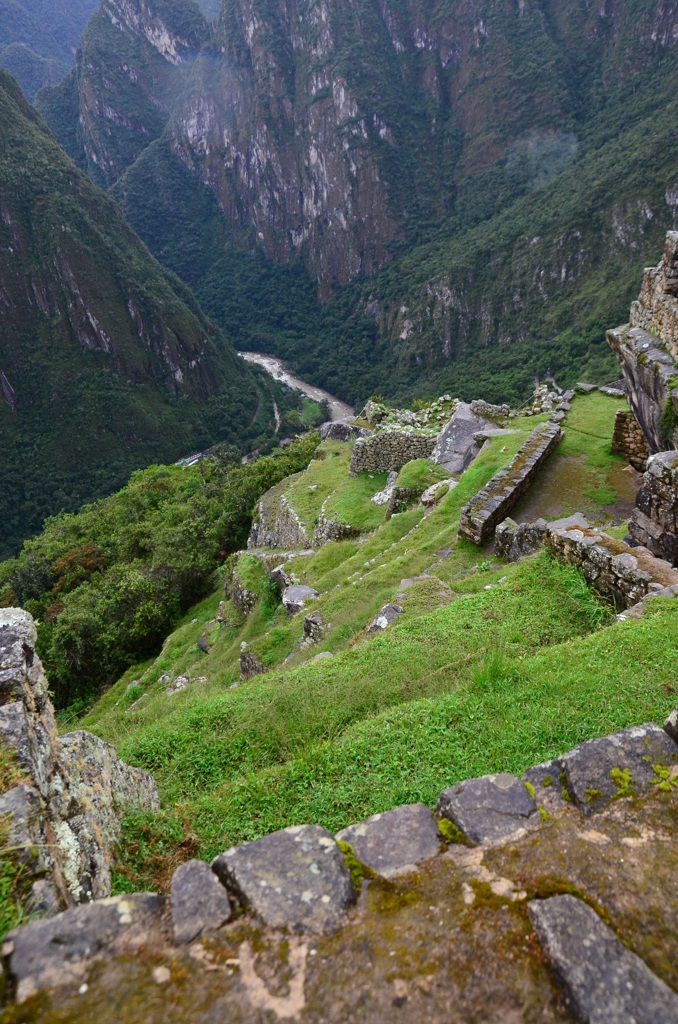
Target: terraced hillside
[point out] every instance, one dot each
(486, 666)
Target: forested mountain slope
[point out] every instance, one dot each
(493, 163)
(106, 361)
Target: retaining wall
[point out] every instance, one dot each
(654, 522)
(493, 503)
(629, 440)
(390, 449)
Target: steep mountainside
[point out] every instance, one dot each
(337, 139)
(106, 361)
(38, 39)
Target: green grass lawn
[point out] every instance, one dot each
(327, 471)
(351, 502)
(420, 474)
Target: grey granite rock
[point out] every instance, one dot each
(600, 770)
(295, 597)
(199, 901)
(388, 614)
(294, 878)
(604, 982)
(24, 811)
(60, 950)
(549, 792)
(456, 445)
(394, 842)
(15, 734)
(671, 725)
(492, 808)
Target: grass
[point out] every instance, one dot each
(15, 881)
(420, 474)
(325, 473)
(352, 503)
(490, 667)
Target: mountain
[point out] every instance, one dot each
(107, 362)
(39, 38)
(429, 181)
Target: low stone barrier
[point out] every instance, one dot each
(390, 449)
(629, 440)
(654, 522)
(479, 518)
(288, 531)
(612, 568)
(327, 530)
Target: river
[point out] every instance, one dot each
(338, 410)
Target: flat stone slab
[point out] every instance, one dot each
(604, 982)
(388, 614)
(586, 388)
(490, 809)
(456, 447)
(296, 596)
(199, 901)
(60, 950)
(295, 878)
(622, 764)
(395, 842)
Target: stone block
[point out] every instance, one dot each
(604, 982)
(394, 842)
(603, 769)
(200, 904)
(295, 878)
(59, 951)
(671, 725)
(24, 809)
(295, 597)
(490, 809)
(388, 614)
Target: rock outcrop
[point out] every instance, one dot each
(654, 522)
(647, 348)
(64, 818)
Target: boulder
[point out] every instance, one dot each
(604, 982)
(200, 904)
(388, 614)
(295, 878)
(342, 430)
(456, 446)
(295, 597)
(394, 842)
(60, 950)
(490, 809)
(250, 665)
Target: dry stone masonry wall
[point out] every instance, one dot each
(64, 815)
(390, 449)
(295, 884)
(629, 440)
(654, 522)
(479, 518)
(647, 348)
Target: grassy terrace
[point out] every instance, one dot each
(490, 667)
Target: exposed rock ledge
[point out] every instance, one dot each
(64, 816)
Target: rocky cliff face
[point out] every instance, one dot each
(63, 815)
(647, 349)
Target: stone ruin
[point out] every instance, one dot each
(647, 348)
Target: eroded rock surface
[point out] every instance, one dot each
(490, 809)
(395, 842)
(65, 818)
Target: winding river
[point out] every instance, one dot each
(338, 410)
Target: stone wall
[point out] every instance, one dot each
(647, 347)
(64, 816)
(491, 412)
(479, 518)
(327, 530)
(287, 531)
(401, 498)
(616, 571)
(654, 522)
(629, 440)
(390, 449)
